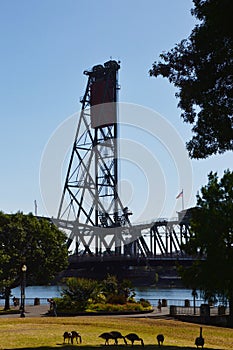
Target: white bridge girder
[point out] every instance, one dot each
(146, 240)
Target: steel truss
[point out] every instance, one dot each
(90, 210)
(90, 196)
(158, 239)
(167, 237)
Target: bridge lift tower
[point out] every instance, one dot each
(90, 210)
(90, 206)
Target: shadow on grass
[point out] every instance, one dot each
(114, 347)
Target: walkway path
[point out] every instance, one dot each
(41, 311)
(31, 311)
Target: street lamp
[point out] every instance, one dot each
(194, 294)
(23, 285)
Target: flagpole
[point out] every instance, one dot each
(35, 203)
(182, 199)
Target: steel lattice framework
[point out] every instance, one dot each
(90, 196)
(90, 209)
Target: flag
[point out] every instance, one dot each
(179, 195)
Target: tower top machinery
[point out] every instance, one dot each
(90, 196)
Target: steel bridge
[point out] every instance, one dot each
(148, 244)
(91, 212)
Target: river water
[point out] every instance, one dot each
(173, 296)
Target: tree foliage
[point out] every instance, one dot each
(115, 290)
(211, 240)
(110, 285)
(80, 290)
(201, 68)
(37, 243)
(80, 294)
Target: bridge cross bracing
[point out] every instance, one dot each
(158, 238)
(91, 211)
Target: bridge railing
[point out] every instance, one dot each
(122, 257)
(183, 304)
(176, 302)
(28, 301)
(214, 311)
(154, 302)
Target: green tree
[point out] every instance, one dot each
(110, 286)
(201, 68)
(126, 289)
(37, 243)
(117, 291)
(80, 290)
(211, 241)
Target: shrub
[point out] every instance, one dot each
(82, 294)
(79, 291)
(65, 305)
(128, 307)
(145, 303)
(116, 299)
(110, 285)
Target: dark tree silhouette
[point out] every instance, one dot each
(201, 67)
(37, 243)
(211, 241)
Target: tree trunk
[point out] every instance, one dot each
(7, 298)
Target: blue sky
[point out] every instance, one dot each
(46, 46)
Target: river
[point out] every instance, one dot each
(173, 296)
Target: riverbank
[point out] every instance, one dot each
(152, 293)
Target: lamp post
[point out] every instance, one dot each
(194, 294)
(23, 285)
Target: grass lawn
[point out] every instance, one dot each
(47, 333)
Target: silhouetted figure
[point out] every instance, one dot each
(160, 339)
(159, 305)
(77, 336)
(15, 301)
(53, 307)
(106, 336)
(134, 337)
(68, 336)
(117, 335)
(200, 340)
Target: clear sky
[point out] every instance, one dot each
(45, 47)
